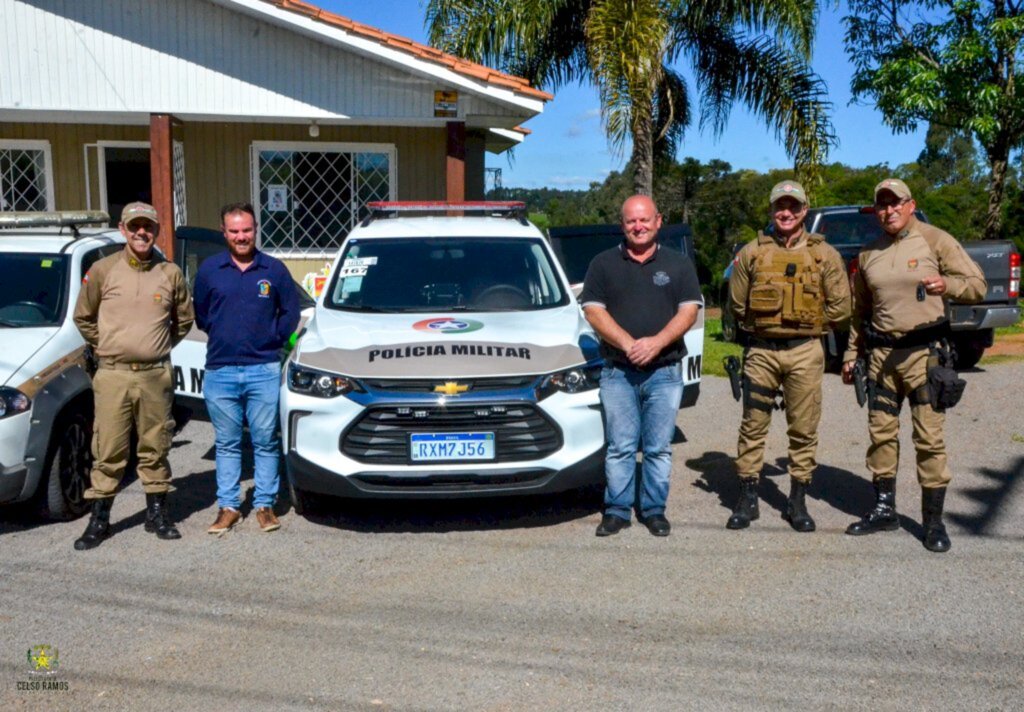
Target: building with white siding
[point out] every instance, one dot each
(195, 103)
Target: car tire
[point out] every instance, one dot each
(968, 352)
(302, 502)
(728, 319)
(68, 462)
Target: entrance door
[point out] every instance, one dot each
(124, 176)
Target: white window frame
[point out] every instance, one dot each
(101, 165)
(36, 145)
(313, 147)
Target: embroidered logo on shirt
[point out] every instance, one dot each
(157, 298)
(911, 264)
(661, 279)
(264, 288)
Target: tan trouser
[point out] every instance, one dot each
(125, 399)
(902, 372)
(798, 371)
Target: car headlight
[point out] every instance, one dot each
(573, 380)
(13, 401)
(311, 382)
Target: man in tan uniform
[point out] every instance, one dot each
(899, 318)
(785, 289)
(133, 308)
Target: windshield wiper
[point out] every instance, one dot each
(362, 308)
(4, 322)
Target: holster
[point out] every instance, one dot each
(945, 387)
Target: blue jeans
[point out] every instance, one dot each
(639, 408)
(250, 392)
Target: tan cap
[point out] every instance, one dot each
(788, 189)
(894, 186)
(136, 210)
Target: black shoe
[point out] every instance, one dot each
(98, 527)
(746, 509)
(657, 525)
(610, 524)
(796, 508)
(935, 537)
(157, 519)
(883, 517)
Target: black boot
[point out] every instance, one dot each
(746, 509)
(796, 509)
(935, 537)
(883, 517)
(157, 519)
(98, 527)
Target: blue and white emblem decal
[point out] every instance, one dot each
(661, 278)
(264, 288)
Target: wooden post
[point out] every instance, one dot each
(161, 170)
(455, 169)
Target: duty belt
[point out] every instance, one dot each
(133, 366)
(779, 344)
(924, 336)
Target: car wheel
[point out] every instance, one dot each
(302, 502)
(728, 319)
(68, 463)
(968, 353)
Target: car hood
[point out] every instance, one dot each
(471, 344)
(22, 344)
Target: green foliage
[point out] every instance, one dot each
(716, 349)
(753, 52)
(951, 63)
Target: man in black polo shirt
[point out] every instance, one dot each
(640, 298)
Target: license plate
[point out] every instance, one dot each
(429, 447)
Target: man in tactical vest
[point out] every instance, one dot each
(785, 289)
(899, 321)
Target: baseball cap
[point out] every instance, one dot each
(788, 189)
(136, 210)
(894, 186)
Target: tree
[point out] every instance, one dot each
(750, 51)
(952, 63)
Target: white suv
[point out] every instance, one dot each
(447, 357)
(45, 390)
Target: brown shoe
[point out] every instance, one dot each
(226, 518)
(266, 519)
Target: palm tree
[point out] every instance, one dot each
(754, 51)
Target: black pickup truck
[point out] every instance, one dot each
(849, 227)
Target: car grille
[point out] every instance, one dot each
(476, 385)
(381, 435)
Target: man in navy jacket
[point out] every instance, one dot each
(247, 304)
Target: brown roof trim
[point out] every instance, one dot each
(420, 51)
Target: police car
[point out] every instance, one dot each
(45, 388)
(447, 357)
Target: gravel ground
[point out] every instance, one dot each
(515, 605)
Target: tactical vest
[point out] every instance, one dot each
(786, 296)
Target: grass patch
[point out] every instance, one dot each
(1001, 359)
(715, 349)
(1017, 328)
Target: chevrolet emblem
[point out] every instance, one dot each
(451, 388)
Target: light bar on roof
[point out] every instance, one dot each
(423, 206)
(55, 218)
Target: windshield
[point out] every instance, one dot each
(33, 289)
(445, 274)
(849, 228)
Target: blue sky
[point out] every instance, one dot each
(568, 148)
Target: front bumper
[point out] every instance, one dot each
(14, 431)
(320, 459)
(408, 484)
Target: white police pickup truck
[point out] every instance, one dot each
(447, 357)
(45, 388)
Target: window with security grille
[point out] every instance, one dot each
(24, 175)
(311, 195)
